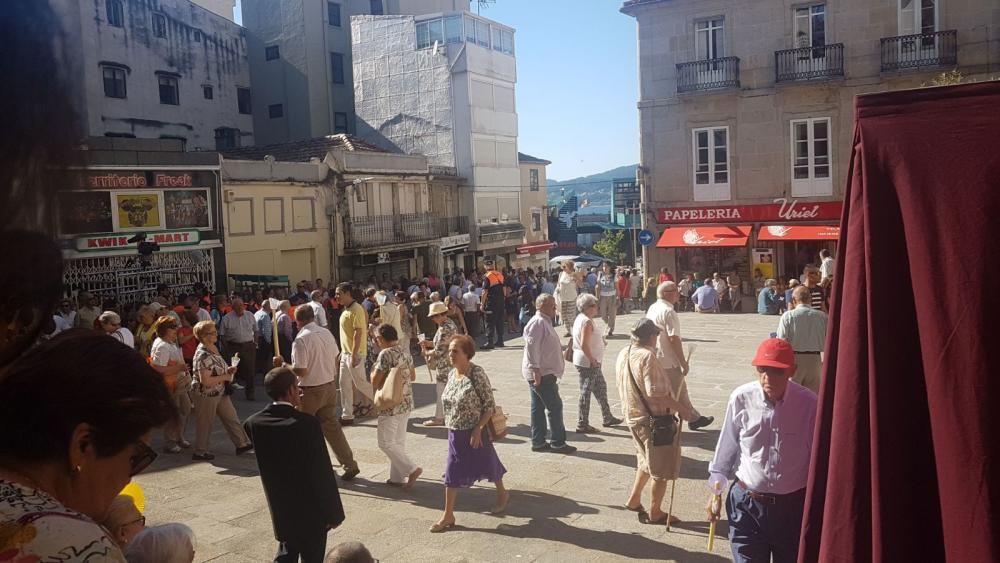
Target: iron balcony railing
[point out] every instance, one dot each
(809, 63)
(921, 50)
(373, 231)
(710, 74)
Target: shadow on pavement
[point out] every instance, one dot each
(701, 439)
(618, 544)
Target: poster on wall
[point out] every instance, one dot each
(85, 212)
(137, 211)
(763, 262)
(186, 209)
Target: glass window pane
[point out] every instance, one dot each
(703, 158)
(719, 137)
(720, 157)
(453, 29)
(701, 178)
(721, 177)
(470, 29)
(822, 171)
(802, 151)
(483, 33)
(423, 36)
(820, 129)
(508, 42)
(702, 138)
(436, 28)
(801, 131)
(495, 37)
(821, 148)
(801, 172)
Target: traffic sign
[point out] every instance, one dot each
(645, 237)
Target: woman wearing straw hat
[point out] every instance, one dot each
(436, 354)
(566, 292)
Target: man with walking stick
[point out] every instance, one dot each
(764, 449)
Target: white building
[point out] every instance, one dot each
(170, 70)
(442, 85)
(224, 8)
(300, 59)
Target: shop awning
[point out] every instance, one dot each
(798, 232)
(535, 248)
(722, 235)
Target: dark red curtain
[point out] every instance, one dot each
(906, 461)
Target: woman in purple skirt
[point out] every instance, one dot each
(468, 406)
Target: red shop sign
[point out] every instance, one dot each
(782, 210)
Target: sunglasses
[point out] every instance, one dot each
(771, 371)
(143, 456)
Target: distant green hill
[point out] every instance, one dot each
(596, 188)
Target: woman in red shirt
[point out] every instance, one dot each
(665, 276)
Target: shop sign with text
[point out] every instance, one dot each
(783, 210)
(118, 242)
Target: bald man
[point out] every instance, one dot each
(670, 351)
(804, 327)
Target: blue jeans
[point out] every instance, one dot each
(545, 397)
(759, 530)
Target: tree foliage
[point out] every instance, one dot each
(610, 246)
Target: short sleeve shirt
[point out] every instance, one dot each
(445, 333)
(664, 316)
(465, 399)
(206, 359)
(395, 356)
(316, 350)
(354, 318)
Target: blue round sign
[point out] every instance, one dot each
(645, 237)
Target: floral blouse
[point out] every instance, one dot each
(439, 354)
(34, 527)
(389, 358)
(206, 359)
(466, 398)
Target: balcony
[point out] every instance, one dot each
(923, 50)
(711, 74)
(499, 232)
(809, 63)
(375, 231)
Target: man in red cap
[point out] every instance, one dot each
(764, 450)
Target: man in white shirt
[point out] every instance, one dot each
(316, 303)
(764, 448)
(805, 329)
(607, 304)
(194, 305)
(315, 360)
(238, 331)
(670, 351)
(471, 307)
(826, 268)
(67, 313)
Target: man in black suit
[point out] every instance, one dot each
(299, 482)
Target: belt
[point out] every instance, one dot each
(807, 352)
(765, 497)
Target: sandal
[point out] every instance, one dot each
(442, 526)
(640, 512)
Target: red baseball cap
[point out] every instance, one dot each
(775, 353)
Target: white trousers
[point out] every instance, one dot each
(439, 409)
(352, 378)
(392, 442)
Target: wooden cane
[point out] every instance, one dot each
(711, 526)
(670, 509)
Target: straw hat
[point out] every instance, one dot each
(437, 308)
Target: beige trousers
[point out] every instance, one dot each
(205, 411)
(808, 370)
(321, 402)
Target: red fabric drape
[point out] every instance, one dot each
(905, 462)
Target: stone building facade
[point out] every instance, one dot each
(746, 115)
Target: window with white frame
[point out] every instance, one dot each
(709, 39)
(711, 163)
(810, 26)
(536, 220)
(811, 159)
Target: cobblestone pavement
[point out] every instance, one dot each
(563, 508)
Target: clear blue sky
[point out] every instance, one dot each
(576, 82)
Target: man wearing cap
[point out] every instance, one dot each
(764, 449)
(805, 329)
(670, 352)
(493, 306)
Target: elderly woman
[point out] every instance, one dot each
(124, 520)
(167, 358)
(60, 473)
(166, 543)
(456, 314)
(588, 355)
(646, 391)
(436, 354)
(111, 323)
(392, 423)
(469, 405)
(567, 289)
(405, 320)
(144, 331)
(210, 400)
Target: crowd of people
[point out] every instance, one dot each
(331, 355)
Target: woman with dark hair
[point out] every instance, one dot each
(468, 407)
(167, 358)
(68, 451)
(392, 423)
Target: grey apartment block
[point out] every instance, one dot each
(158, 70)
(300, 59)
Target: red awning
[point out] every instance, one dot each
(536, 247)
(680, 237)
(798, 232)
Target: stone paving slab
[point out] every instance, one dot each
(563, 508)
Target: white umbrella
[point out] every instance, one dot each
(560, 259)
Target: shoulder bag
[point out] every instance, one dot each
(497, 424)
(663, 428)
(390, 394)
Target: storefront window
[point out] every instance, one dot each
(706, 261)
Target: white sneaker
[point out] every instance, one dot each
(238, 387)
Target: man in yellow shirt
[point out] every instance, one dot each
(354, 342)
